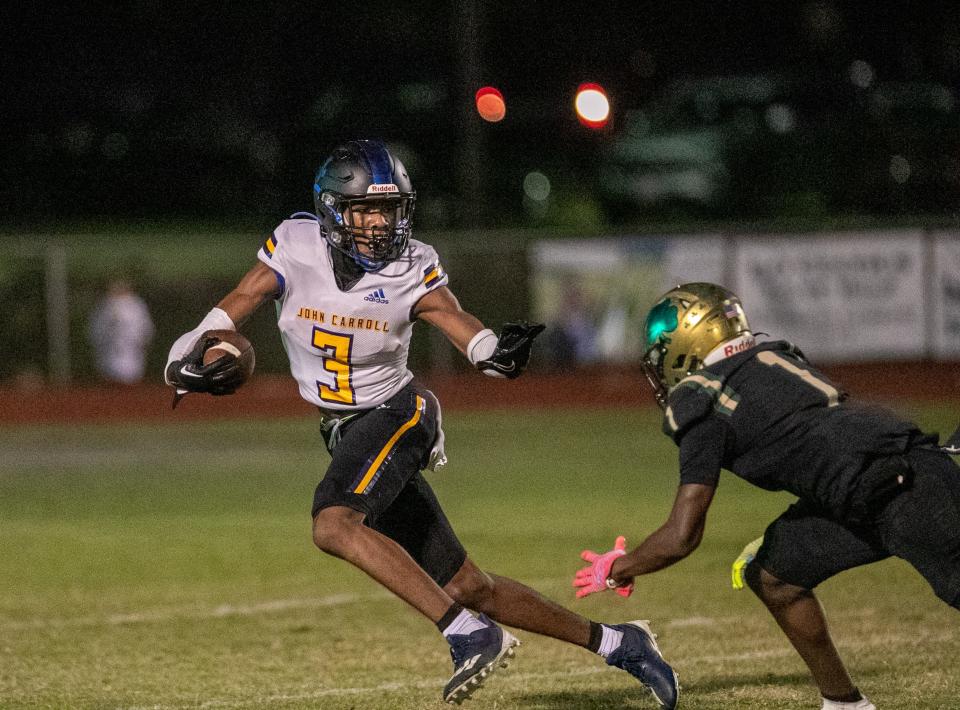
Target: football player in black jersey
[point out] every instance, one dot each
(870, 485)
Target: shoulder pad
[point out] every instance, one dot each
(695, 398)
(796, 352)
(783, 346)
(421, 251)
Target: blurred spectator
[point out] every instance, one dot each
(572, 340)
(612, 339)
(120, 331)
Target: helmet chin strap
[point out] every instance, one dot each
(730, 348)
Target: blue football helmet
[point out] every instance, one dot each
(363, 174)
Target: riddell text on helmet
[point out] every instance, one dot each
(738, 346)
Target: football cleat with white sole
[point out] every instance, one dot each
(639, 655)
(475, 656)
(861, 704)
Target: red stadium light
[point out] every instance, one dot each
(592, 105)
(490, 104)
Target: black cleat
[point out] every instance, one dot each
(639, 655)
(475, 656)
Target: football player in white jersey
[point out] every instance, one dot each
(350, 282)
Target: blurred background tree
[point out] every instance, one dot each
(718, 110)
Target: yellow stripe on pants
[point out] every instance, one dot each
(371, 472)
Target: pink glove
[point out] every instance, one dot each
(596, 576)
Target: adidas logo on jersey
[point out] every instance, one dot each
(376, 296)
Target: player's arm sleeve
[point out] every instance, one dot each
(702, 451)
(430, 274)
(273, 254)
(687, 406)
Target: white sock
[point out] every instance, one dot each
(862, 704)
(610, 640)
(465, 623)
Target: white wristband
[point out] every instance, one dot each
(481, 346)
(216, 319)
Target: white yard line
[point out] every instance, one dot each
(72, 460)
(510, 679)
(161, 614)
(271, 606)
(192, 612)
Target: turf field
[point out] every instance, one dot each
(172, 567)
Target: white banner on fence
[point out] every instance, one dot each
(703, 257)
(945, 293)
(594, 294)
(841, 296)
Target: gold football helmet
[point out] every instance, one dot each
(684, 326)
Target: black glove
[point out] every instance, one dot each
(222, 376)
(512, 353)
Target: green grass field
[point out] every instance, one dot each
(172, 567)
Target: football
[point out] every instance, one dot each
(231, 344)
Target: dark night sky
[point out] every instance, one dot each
(194, 90)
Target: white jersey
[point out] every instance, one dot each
(348, 349)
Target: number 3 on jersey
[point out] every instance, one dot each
(335, 350)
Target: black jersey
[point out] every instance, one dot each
(773, 420)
